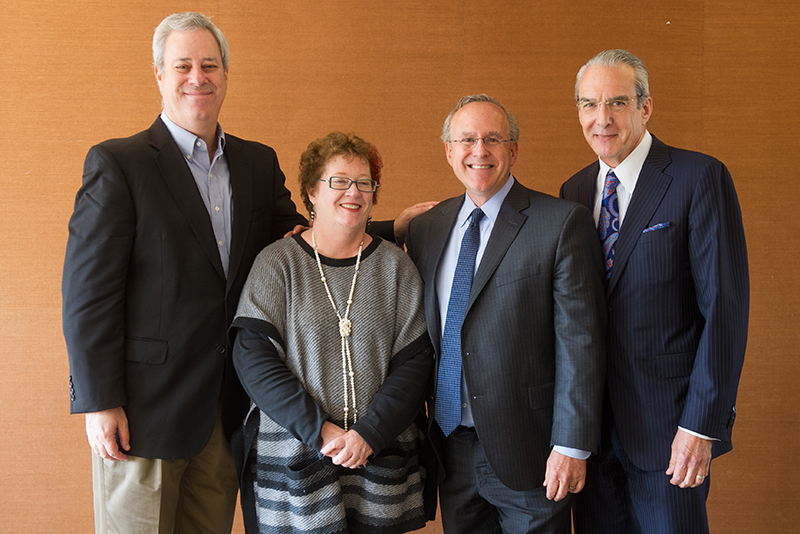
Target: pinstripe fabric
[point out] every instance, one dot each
(678, 301)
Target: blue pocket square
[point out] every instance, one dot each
(655, 227)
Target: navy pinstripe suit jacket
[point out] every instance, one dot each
(678, 303)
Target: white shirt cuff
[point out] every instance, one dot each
(698, 435)
(578, 454)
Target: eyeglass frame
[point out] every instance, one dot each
(472, 142)
(375, 184)
(627, 100)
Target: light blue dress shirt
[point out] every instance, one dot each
(213, 179)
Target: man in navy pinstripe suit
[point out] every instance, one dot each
(678, 296)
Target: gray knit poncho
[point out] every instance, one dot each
(288, 355)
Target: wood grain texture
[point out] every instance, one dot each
(722, 79)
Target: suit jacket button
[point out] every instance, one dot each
(220, 349)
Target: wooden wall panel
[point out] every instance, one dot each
(722, 79)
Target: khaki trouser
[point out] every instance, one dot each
(152, 496)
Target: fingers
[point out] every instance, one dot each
(690, 460)
(296, 230)
(563, 475)
(102, 429)
(557, 489)
(348, 450)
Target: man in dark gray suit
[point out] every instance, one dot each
(515, 308)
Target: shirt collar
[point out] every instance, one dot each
(187, 141)
(628, 171)
(490, 208)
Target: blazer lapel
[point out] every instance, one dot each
(179, 180)
(506, 227)
(242, 202)
(650, 189)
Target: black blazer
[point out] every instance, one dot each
(532, 342)
(146, 304)
(678, 301)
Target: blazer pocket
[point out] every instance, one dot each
(541, 396)
(674, 365)
(658, 232)
(518, 274)
(152, 351)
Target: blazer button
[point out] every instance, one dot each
(220, 349)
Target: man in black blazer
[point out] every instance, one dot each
(678, 296)
(529, 344)
(165, 228)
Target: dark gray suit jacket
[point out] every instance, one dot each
(533, 345)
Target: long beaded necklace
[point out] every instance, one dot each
(345, 327)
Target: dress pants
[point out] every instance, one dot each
(153, 496)
(474, 501)
(620, 498)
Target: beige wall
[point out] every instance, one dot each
(723, 77)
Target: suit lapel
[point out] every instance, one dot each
(179, 180)
(242, 202)
(650, 189)
(439, 231)
(588, 184)
(506, 227)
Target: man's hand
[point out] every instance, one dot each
(563, 475)
(690, 460)
(348, 449)
(401, 222)
(101, 430)
(296, 230)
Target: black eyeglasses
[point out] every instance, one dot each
(342, 183)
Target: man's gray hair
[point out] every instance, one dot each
(513, 129)
(615, 58)
(182, 22)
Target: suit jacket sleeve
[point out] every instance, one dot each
(718, 258)
(101, 233)
(579, 323)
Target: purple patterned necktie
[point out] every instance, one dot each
(448, 384)
(608, 225)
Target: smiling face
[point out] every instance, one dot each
(612, 136)
(347, 208)
(192, 81)
(482, 170)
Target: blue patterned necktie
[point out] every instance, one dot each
(608, 225)
(448, 388)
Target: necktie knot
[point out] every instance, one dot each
(475, 217)
(611, 184)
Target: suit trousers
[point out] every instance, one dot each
(623, 499)
(473, 500)
(154, 496)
